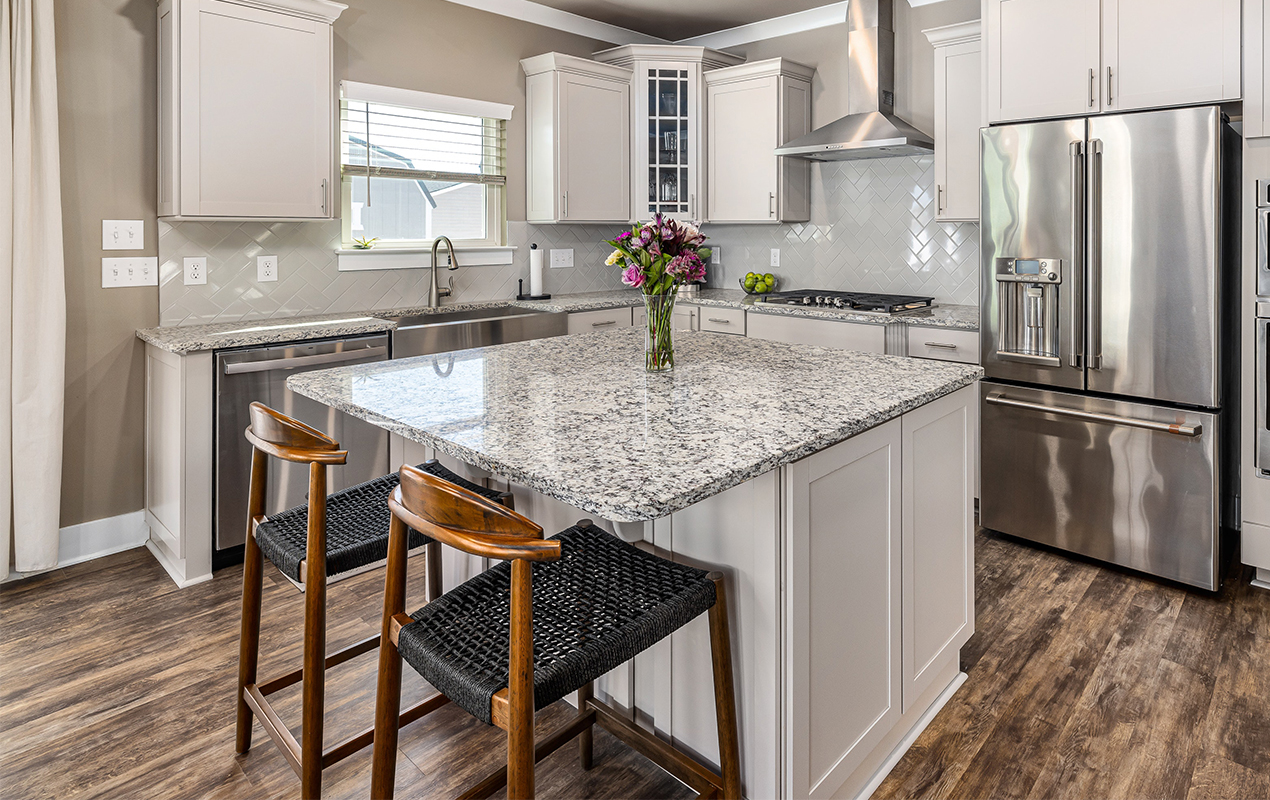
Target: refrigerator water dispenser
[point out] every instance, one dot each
(1028, 302)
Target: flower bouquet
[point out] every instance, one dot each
(657, 257)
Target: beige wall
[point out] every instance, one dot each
(107, 76)
(826, 50)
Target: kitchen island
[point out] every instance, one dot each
(834, 488)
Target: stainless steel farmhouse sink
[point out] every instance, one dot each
(443, 331)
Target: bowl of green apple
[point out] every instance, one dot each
(757, 283)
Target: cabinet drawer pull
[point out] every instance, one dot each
(942, 345)
(720, 321)
(602, 324)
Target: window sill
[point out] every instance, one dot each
(381, 258)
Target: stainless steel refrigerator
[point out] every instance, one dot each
(1109, 285)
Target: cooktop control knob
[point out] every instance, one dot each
(837, 302)
(806, 300)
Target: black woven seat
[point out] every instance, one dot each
(601, 604)
(357, 520)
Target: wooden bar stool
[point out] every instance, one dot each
(581, 603)
(314, 545)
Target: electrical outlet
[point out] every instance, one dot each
(716, 255)
(138, 271)
(266, 268)
(122, 234)
(776, 257)
(195, 271)
(561, 258)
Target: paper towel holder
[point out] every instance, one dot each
(520, 292)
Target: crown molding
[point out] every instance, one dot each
(561, 62)
(755, 69)
(626, 55)
(799, 21)
(957, 33)
(538, 14)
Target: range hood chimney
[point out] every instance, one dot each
(870, 129)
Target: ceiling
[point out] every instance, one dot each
(674, 20)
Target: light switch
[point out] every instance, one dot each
(139, 271)
(561, 258)
(122, 234)
(195, 271)
(266, 268)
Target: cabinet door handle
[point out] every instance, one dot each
(939, 198)
(942, 345)
(565, 203)
(602, 324)
(771, 204)
(1092, 81)
(324, 197)
(1108, 85)
(692, 205)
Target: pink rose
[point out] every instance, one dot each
(633, 277)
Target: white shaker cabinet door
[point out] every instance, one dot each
(1042, 58)
(256, 121)
(1169, 52)
(1256, 68)
(743, 132)
(937, 542)
(594, 149)
(842, 608)
(957, 117)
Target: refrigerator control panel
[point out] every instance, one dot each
(1030, 270)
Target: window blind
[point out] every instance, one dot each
(386, 140)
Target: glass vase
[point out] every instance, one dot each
(659, 346)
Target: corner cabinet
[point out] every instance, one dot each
(958, 113)
(668, 119)
(751, 109)
(246, 98)
(578, 164)
(1054, 58)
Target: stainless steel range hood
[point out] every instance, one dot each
(870, 129)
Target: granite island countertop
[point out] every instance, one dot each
(223, 335)
(577, 418)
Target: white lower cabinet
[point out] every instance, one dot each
(821, 332)
(604, 320)
(684, 318)
(944, 344)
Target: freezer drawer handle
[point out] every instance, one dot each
(241, 367)
(1151, 425)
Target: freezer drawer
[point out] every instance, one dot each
(1128, 483)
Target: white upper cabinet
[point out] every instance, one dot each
(1169, 52)
(667, 147)
(1042, 58)
(1256, 68)
(751, 109)
(1054, 58)
(245, 108)
(958, 113)
(578, 126)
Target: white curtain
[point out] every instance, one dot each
(32, 289)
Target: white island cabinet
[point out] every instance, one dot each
(246, 109)
(844, 531)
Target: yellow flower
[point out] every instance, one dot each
(615, 257)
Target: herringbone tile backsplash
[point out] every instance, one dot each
(872, 229)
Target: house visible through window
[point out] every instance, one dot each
(416, 166)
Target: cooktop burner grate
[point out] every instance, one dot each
(855, 301)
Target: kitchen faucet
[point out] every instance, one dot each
(435, 293)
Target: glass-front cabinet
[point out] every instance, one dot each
(668, 148)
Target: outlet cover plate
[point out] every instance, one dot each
(776, 257)
(136, 271)
(561, 258)
(266, 268)
(122, 234)
(716, 255)
(195, 269)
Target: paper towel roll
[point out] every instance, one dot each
(535, 270)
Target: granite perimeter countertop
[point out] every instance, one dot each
(222, 335)
(577, 418)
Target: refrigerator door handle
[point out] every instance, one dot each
(1176, 428)
(1094, 246)
(1076, 290)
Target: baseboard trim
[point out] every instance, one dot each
(98, 538)
(174, 572)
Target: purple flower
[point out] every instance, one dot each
(623, 236)
(687, 266)
(633, 277)
(645, 236)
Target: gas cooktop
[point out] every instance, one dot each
(889, 304)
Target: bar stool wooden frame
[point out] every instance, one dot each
(457, 518)
(277, 435)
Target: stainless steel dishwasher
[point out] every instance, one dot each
(244, 376)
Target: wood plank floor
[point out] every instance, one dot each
(1084, 682)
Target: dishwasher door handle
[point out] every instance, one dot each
(242, 367)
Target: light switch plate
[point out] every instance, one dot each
(138, 271)
(776, 257)
(561, 258)
(266, 268)
(122, 234)
(195, 270)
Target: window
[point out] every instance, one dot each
(415, 166)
